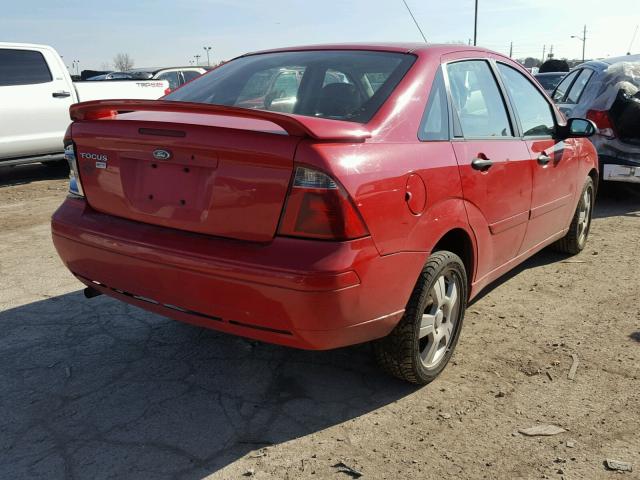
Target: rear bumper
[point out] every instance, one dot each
(617, 169)
(300, 293)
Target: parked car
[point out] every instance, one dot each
(607, 92)
(36, 92)
(112, 76)
(549, 80)
(365, 214)
(176, 76)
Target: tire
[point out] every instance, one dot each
(57, 165)
(576, 238)
(418, 348)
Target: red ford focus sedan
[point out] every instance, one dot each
(324, 196)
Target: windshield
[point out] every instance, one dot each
(343, 85)
(549, 82)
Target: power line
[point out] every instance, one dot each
(415, 21)
(632, 40)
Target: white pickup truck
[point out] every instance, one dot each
(35, 94)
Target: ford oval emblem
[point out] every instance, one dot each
(161, 154)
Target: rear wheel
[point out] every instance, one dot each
(422, 343)
(576, 238)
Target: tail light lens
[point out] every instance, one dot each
(75, 186)
(602, 121)
(318, 207)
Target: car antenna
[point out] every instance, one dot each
(415, 21)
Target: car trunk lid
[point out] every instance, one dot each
(200, 168)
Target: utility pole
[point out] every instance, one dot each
(583, 39)
(544, 50)
(197, 57)
(207, 49)
(511, 50)
(475, 25)
(550, 52)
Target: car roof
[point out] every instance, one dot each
(159, 69)
(408, 47)
(604, 63)
(544, 74)
(23, 45)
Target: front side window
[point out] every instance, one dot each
(477, 102)
(561, 89)
(579, 85)
(23, 67)
(533, 110)
(435, 121)
(343, 85)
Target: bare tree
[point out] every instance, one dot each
(105, 66)
(123, 62)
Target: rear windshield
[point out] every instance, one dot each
(343, 85)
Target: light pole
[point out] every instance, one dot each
(475, 25)
(197, 57)
(583, 39)
(207, 49)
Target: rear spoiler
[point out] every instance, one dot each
(294, 125)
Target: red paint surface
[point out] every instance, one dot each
(197, 233)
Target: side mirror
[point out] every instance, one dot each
(579, 128)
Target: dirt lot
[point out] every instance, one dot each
(97, 389)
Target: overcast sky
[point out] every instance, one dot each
(163, 33)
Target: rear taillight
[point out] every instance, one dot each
(75, 186)
(318, 207)
(602, 121)
(100, 114)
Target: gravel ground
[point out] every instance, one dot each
(98, 389)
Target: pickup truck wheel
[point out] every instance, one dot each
(422, 343)
(576, 238)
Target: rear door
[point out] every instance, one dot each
(493, 161)
(34, 103)
(553, 162)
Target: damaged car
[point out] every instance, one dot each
(608, 92)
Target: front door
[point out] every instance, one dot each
(553, 162)
(493, 163)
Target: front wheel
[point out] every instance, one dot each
(576, 238)
(422, 343)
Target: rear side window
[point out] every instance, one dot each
(578, 86)
(343, 85)
(564, 85)
(532, 108)
(190, 75)
(23, 67)
(477, 101)
(172, 77)
(435, 121)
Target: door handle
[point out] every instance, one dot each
(61, 94)
(482, 164)
(543, 159)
